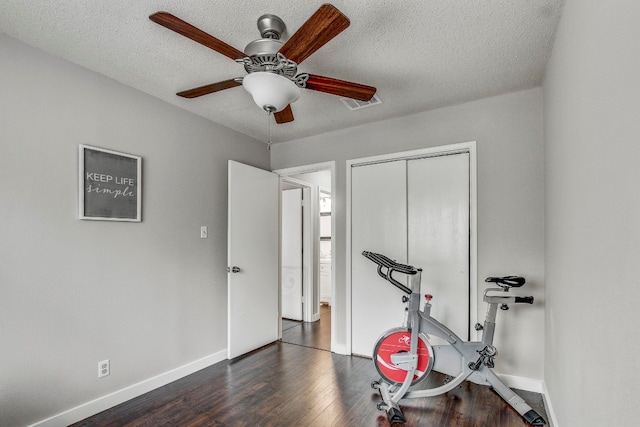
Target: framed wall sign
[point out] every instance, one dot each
(110, 185)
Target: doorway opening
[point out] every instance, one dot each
(315, 328)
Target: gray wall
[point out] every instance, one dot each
(508, 131)
(150, 296)
(592, 254)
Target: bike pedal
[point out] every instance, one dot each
(381, 406)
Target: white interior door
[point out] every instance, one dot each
(378, 224)
(438, 212)
(252, 257)
(291, 275)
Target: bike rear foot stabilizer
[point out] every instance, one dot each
(533, 418)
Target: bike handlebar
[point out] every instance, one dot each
(391, 266)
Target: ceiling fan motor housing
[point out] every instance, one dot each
(262, 54)
(270, 26)
(263, 47)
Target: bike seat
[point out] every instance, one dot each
(507, 281)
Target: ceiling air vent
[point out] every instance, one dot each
(354, 104)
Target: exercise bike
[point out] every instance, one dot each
(404, 356)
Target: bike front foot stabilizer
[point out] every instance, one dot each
(533, 418)
(395, 415)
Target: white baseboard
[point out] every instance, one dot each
(553, 421)
(522, 383)
(340, 349)
(112, 399)
(536, 386)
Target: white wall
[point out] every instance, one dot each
(592, 254)
(150, 296)
(508, 130)
(321, 178)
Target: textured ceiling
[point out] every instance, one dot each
(419, 54)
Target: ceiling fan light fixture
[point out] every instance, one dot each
(271, 92)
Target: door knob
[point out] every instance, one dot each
(233, 269)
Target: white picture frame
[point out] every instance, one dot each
(109, 185)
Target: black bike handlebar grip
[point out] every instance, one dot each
(394, 282)
(524, 300)
(384, 261)
(380, 273)
(399, 285)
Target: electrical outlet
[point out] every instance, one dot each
(103, 368)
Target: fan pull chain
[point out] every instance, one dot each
(269, 122)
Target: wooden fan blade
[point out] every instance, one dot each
(207, 89)
(181, 27)
(321, 27)
(284, 116)
(340, 87)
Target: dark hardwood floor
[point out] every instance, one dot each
(291, 385)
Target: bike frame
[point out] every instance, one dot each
(459, 359)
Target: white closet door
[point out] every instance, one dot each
(379, 224)
(438, 212)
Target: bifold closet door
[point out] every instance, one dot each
(438, 229)
(378, 224)
(416, 212)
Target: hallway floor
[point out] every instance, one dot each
(309, 334)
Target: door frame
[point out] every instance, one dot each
(443, 150)
(307, 249)
(318, 167)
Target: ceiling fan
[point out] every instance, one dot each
(271, 64)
